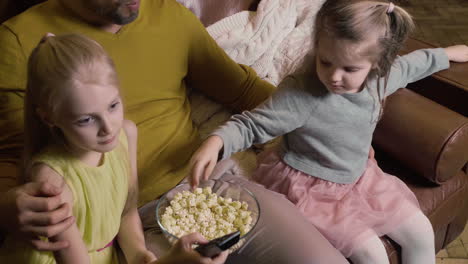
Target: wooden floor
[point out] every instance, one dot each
(442, 23)
(456, 252)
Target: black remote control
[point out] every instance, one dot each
(218, 245)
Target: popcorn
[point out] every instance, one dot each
(205, 212)
(237, 205)
(207, 190)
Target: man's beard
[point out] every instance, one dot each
(114, 13)
(121, 19)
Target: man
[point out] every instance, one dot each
(159, 48)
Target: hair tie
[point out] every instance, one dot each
(47, 35)
(390, 8)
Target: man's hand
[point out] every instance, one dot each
(36, 209)
(204, 159)
(182, 252)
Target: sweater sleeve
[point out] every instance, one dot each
(213, 72)
(286, 110)
(415, 66)
(13, 66)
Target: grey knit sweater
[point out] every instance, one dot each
(326, 135)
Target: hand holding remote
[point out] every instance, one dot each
(218, 245)
(182, 252)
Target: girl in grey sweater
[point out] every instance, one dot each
(327, 118)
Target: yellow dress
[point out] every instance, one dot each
(99, 193)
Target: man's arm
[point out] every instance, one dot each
(214, 73)
(33, 209)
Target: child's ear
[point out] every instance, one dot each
(44, 117)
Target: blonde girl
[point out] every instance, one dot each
(76, 137)
(327, 117)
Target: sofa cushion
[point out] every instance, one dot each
(426, 137)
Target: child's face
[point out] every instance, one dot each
(340, 67)
(91, 118)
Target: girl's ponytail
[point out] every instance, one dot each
(399, 26)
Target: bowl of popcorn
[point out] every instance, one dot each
(214, 209)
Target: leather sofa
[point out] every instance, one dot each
(422, 138)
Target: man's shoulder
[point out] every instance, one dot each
(35, 13)
(27, 27)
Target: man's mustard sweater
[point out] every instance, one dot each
(158, 56)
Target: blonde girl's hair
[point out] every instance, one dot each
(382, 22)
(56, 65)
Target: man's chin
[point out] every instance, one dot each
(123, 15)
(123, 20)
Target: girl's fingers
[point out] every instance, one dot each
(192, 177)
(197, 171)
(209, 169)
(195, 168)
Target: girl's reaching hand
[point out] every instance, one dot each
(204, 159)
(457, 53)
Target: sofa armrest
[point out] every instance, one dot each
(448, 87)
(423, 135)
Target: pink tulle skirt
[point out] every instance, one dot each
(346, 214)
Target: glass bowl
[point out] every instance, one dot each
(221, 189)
